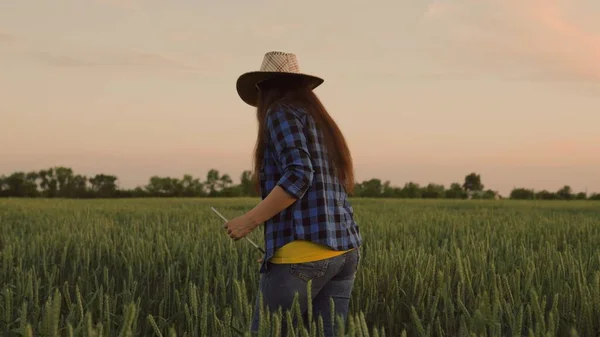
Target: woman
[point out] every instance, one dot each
(304, 174)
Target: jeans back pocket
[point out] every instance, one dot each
(309, 270)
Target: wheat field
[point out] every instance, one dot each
(164, 267)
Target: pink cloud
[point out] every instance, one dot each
(534, 39)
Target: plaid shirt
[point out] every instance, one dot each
(296, 159)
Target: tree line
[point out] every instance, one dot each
(62, 182)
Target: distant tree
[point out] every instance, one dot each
(31, 179)
(473, 183)
(371, 188)
(565, 193)
(594, 196)
(357, 189)
(246, 184)
(175, 186)
(104, 186)
(20, 184)
(581, 196)
(138, 192)
(387, 190)
(225, 182)
(522, 194)
(412, 190)
(48, 183)
(433, 191)
(155, 186)
(3, 188)
(232, 191)
(489, 194)
(456, 192)
(396, 192)
(64, 178)
(192, 187)
(78, 187)
(211, 185)
(545, 195)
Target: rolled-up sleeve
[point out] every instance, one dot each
(286, 133)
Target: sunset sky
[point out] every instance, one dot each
(424, 90)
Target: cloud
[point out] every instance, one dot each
(534, 40)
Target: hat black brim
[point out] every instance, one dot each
(246, 83)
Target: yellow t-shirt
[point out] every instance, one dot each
(300, 251)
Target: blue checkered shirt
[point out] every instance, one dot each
(295, 158)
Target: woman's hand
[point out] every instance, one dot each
(239, 227)
(274, 203)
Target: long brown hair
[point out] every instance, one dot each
(298, 92)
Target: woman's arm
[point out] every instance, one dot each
(286, 133)
(275, 202)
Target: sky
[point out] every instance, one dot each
(424, 90)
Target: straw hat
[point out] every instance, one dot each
(274, 64)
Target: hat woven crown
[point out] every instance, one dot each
(280, 62)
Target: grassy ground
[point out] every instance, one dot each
(429, 268)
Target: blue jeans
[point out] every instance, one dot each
(331, 278)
